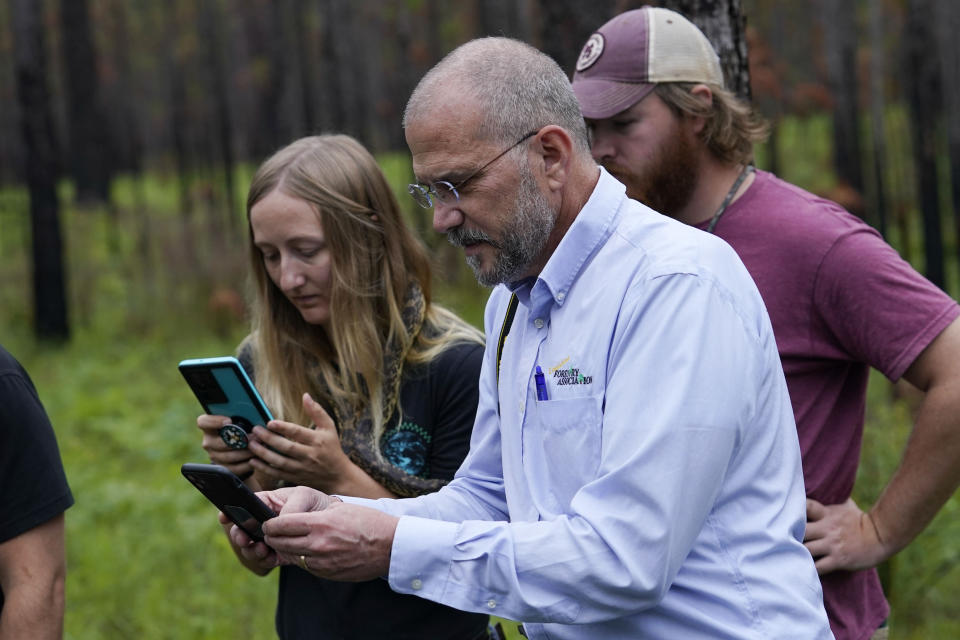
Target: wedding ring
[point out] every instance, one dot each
(303, 563)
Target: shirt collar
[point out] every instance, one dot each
(591, 227)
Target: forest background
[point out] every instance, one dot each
(128, 133)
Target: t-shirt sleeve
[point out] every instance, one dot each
(455, 378)
(33, 486)
(876, 305)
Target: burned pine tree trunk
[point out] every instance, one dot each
(36, 124)
(877, 104)
(839, 26)
(723, 23)
(948, 21)
(86, 124)
(923, 79)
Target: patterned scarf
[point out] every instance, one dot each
(356, 427)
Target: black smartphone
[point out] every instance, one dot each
(230, 495)
(223, 388)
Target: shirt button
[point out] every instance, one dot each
(561, 296)
(417, 584)
(491, 604)
(538, 323)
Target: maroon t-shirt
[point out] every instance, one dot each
(841, 300)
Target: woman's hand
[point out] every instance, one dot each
(299, 455)
(255, 556)
(236, 460)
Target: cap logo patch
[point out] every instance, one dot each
(590, 52)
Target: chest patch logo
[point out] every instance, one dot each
(564, 375)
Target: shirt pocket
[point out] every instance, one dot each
(570, 430)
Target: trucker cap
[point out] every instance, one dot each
(623, 60)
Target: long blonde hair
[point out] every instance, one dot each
(375, 259)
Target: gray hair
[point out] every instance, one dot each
(517, 87)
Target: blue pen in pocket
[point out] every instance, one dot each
(541, 385)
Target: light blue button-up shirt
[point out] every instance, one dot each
(657, 492)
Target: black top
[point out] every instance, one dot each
(438, 403)
(33, 486)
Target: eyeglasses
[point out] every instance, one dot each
(447, 193)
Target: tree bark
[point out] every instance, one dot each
(86, 124)
(923, 79)
(839, 25)
(948, 19)
(335, 99)
(36, 125)
(303, 21)
(211, 18)
(175, 69)
(877, 104)
(723, 23)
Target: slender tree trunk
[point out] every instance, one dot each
(335, 101)
(127, 138)
(89, 150)
(370, 99)
(839, 25)
(175, 69)
(924, 93)
(36, 125)
(948, 19)
(303, 22)
(213, 34)
(877, 104)
(263, 29)
(723, 23)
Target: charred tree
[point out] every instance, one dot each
(36, 126)
(877, 103)
(839, 26)
(948, 19)
(923, 80)
(210, 19)
(86, 124)
(723, 23)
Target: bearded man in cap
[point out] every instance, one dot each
(840, 299)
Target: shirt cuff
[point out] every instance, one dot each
(421, 556)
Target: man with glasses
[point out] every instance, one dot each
(634, 469)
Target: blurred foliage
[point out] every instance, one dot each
(147, 558)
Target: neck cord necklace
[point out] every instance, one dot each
(747, 170)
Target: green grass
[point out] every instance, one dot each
(146, 555)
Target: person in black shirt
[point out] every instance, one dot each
(345, 339)
(33, 496)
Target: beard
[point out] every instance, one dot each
(669, 183)
(522, 237)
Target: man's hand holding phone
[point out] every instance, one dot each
(322, 535)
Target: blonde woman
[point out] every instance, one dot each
(345, 339)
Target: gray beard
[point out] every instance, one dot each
(522, 237)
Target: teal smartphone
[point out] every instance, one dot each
(224, 388)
